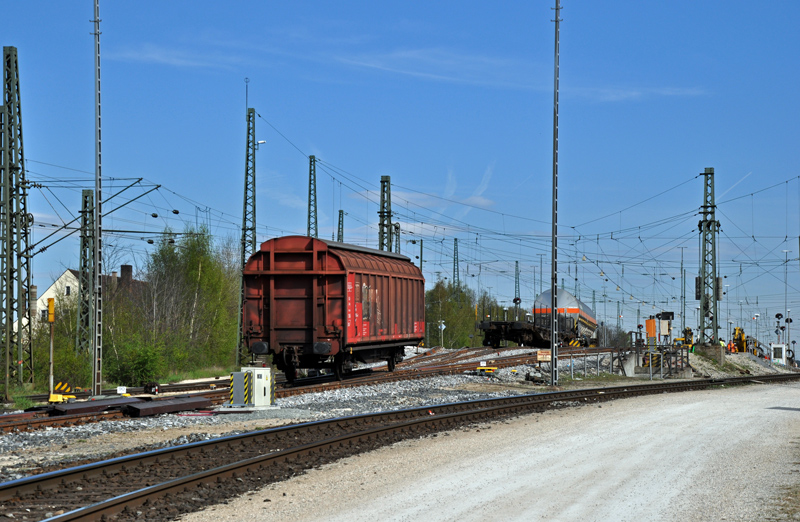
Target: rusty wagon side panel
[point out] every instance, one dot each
(317, 299)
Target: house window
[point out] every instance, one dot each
(67, 290)
(44, 315)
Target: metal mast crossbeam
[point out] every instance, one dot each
(312, 197)
(708, 263)
(248, 244)
(83, 341)
(385, 215)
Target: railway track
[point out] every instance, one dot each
(163, 388)
(437, 364)
(161, 484)
(34, 422)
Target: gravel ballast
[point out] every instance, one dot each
(22, 454)
(713, 455)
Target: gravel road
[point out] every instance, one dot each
(720, 454)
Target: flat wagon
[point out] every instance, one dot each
(312, 303)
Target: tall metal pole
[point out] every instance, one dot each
(456, 279)
(15, 226)
(83, 339)
(312, 197)
(248, 244)
(517, 299)
(340, 231)
(97, 373)
(385, 215)
(683, 295)
(787, 319)
(554, 253)
(541, 272)
(708, 265)
(22, 223)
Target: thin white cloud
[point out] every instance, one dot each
(156, 54)
(444, 65)
(478, 201)
(484, 184)
(450, 185)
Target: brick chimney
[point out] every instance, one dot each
(126, 278)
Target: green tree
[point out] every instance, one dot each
(453, 306)
(178, 314)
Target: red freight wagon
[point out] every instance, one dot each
(312, 303)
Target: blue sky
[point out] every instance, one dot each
(453, 100)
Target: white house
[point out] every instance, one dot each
(67, 284)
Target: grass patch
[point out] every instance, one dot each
(202, 373)
(22, 402)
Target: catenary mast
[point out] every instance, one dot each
(97, 372)
(554, 252)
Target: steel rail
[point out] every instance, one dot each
(388, 422)
(32, 423)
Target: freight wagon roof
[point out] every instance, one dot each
(565, 300)
(362, 258)
(352, 257)
(364, 250)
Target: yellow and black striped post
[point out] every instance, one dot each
(653, 358)
(248, 388)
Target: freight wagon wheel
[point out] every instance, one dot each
(291, 373)
(390, 362)
(338, 367)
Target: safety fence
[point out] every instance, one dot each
(663, 361)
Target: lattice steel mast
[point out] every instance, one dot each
(709, 291)
(248, 244)
(554, 266)
(385, 215)
(340, 230)
(83, 341)
(312, 197)
(517, 299)
(15, 223)
(456, 279)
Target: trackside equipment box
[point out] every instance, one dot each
(253, 386)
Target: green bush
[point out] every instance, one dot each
(136, 364)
